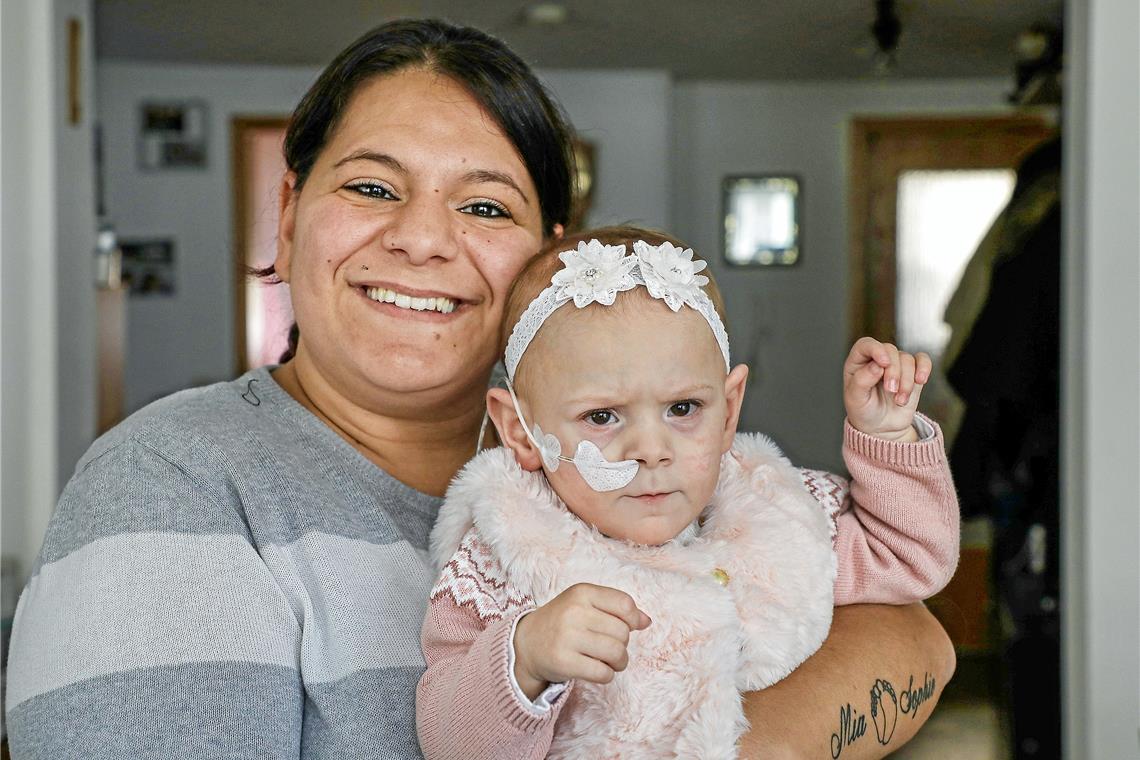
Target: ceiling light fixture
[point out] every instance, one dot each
(887, 29)
(546, 14)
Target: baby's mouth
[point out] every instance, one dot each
(440, 304)
(651, 496)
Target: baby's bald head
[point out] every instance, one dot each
(537, 274)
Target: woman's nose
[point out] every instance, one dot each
(420, 230)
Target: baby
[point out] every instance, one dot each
(626, 565)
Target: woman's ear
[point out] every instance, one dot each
(734, 396)
(511, 430)
(557, 232)
(286, 222)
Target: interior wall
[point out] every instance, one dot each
(47, 310)
(790, 324)
(628, 116)
(27, 324)
(1101, 374)
(75, 241)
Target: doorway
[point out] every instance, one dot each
(884, 153)
(925, 194)
(262, 311)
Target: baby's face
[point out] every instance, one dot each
(642, 383)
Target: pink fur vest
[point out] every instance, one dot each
(680, 695)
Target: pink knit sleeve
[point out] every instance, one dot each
(897, 536)
(466, 706)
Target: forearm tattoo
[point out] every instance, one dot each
(885, 708)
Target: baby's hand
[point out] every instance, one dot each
(881, 386)
(581, 633)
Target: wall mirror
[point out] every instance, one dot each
(762, 220)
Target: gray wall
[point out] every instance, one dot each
(791, 326)
(75, 240)
(47, 321)
(628, 115)
(1101, 374)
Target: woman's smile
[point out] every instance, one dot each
(438, 304)
(394, 304)
(408, 301)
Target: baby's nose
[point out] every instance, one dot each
(651, 447)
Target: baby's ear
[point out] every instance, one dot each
(734, 396)
(510, 428)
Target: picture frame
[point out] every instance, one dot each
(173, 135)
(762, 220)
(585, 163)
(148, 267)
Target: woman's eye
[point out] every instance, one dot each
(372, 190)
(486, 209)
(600, 417)
(683, 408)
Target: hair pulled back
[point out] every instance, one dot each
(492, 74)
(495, 76)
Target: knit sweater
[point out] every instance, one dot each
(224, 577)
(895, 542)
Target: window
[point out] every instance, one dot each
(942, 216)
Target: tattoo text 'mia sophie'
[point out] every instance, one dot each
(885, 708)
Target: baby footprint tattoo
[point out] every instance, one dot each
(884, 709)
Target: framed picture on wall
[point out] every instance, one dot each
(148, 267)
(172, 135)
(762, 220)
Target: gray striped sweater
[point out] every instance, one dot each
(224, 577)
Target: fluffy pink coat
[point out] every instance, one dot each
(895, 536)
(680, 695)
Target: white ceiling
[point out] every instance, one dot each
(718, 39)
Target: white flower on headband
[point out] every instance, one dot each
(670, 273)
(594, 272)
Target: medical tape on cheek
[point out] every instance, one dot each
(599, 473)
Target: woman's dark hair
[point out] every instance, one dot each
(496, 78)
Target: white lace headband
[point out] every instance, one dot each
(597, 273)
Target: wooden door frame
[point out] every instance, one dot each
(862, 131)
(239, 125)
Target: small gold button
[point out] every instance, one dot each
(721, 576)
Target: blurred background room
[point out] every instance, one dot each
(961, 177)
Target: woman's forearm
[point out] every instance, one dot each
(864, 694)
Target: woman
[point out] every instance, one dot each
(238, 570)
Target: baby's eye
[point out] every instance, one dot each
(371, 189)
(684, 408)
(600, 417)
(487, 209)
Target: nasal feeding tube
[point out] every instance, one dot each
(599, 473)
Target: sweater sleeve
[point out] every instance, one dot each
(897, 535)
(466, 705)
(151, 628)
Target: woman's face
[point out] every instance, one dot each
(401, 245)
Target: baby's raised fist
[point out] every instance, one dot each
(881, 388)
